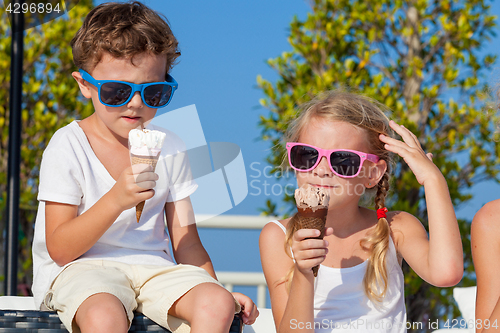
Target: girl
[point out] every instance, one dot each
(485, 245)
(485, 254)
(359, 286)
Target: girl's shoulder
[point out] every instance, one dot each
(489, 210)
(487, 218)
(272, 237)
(272, 248)
(397, 218)
(402, 223)
(275, 228)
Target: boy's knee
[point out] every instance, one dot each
(226, 301)
(215, 301)
(218, 303)
(101, 313)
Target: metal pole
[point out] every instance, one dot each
(15, 125)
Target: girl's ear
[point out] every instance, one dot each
(375, 172)
(82, 84)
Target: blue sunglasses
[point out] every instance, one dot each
(118, 93)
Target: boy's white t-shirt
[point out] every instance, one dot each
(71, 173)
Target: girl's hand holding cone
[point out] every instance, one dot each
(308, 251)
(307, 219)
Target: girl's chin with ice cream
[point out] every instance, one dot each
(312, 197)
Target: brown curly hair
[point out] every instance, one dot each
(123, 30)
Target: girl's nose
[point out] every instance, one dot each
(323, 168)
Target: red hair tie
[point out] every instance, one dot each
(381, 213)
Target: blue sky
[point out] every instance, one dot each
(224, 46)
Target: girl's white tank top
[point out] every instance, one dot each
(340, 303)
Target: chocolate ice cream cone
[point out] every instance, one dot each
(312, 208)
(305, 218)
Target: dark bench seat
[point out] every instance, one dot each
(29, 321)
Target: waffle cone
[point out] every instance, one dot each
(151, 160)
(306, 218)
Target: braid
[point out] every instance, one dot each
(382, 189)
(292, 227)
(377, 242)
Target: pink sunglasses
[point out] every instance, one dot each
(344, 163)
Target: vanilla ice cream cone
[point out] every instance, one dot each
(138, 159)
(145, 147)
(312, 209)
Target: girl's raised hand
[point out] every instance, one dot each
(307, 251)
(411, 151)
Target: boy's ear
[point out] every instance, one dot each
(84, 88)
(375, 172)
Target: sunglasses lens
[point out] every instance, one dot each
(303, 157)
(115, 93)
(157, 94)
(345, 163)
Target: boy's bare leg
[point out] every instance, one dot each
(206, 305)
(102, 313)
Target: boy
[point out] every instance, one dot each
(93, 263)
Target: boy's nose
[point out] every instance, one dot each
(136, 101)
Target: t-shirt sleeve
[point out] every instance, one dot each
(181, 182)
(60, 178)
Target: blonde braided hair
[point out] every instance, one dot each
(377, 244)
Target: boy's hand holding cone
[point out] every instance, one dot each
(145, 148)
(312, 208)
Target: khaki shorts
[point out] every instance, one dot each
(150, 290)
